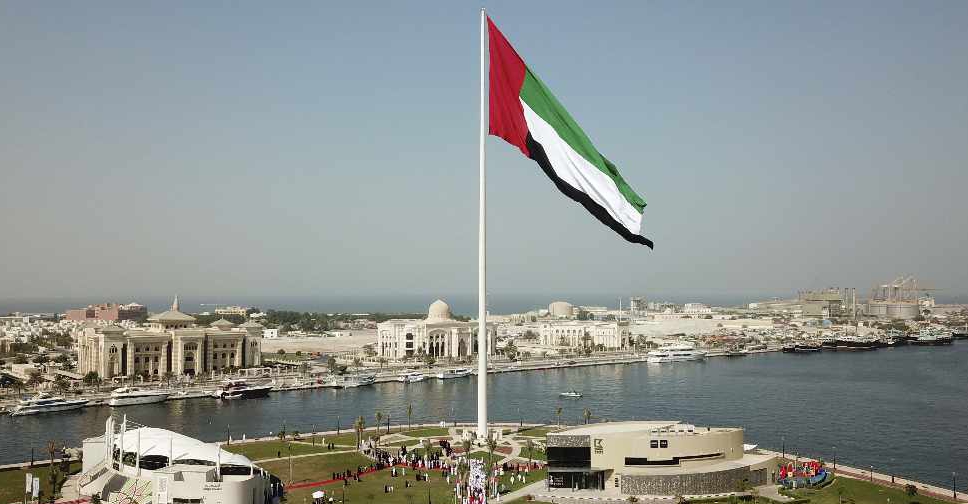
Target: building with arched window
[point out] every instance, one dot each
(439, 336)
(171, 344)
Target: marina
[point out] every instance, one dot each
(768, 393)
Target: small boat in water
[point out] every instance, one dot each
(128, 396)
(237, 395)
(411, 377)
(46, 403)
(454, 373)
(674, 353)
(933, 337)
(242, 388)
(571, 394)
(351, 381)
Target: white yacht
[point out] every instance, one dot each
(573, 394)
(241, 389)
(411, 377)
(46, 403)
(674, 353)
(127, 396)
(454, 373)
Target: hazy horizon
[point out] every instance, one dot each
(329, 152)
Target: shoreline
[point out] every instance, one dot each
(886, 480)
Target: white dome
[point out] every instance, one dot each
(439, 310)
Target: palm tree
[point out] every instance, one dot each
(379, 421)
(51, 450)
(529, 445)
(491, 446)
(359, 425)
(558, 414)
(587, 414)
(409, 415)
(466, 445)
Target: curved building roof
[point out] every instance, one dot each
(161, 442)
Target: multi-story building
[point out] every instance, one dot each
(171, 343)
(439, 336)
(575, 333)
(231, 310)
(108, 312)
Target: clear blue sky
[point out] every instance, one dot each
(313, 148)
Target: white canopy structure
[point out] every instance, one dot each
(147, 441)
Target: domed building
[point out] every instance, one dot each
(172, 344)
(438, 335)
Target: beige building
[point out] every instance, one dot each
(439, 335)
(656, 458)
(573, 333)
(171, 343)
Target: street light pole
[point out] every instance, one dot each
(954, 488)
(835, 460)
(872, 474)
(783, 447)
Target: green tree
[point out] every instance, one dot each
(41, 359)
(379, 420)
(34, 379)
(511, 350)
(383, 362)
(332, 365)
(92, 379)
(61, 383)
(368, 350)
(359, 426)
(491, 446)
(357, 363)
(558, 414)
(281, 351)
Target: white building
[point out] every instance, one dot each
(439, 335)
(572, 333)
(272, 333)
(696, 309)
(135, 464)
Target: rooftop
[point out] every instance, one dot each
(644, 427)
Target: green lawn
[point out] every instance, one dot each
(315, 468)
(538, 431)
(861, 492)
(12, 482)
(259, 450)
(427, 432)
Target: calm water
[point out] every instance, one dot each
(903, 410)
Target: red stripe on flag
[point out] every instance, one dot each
(506, 76)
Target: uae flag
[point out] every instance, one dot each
(523, 112)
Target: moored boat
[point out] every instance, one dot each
(411, 377)
(454, 373)
(675, 353)
(128, 396)
(242, 388)
(571, 394)
(46, 403)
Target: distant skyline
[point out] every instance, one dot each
(328, 152)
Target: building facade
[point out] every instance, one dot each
(108, 312)
(171, 344)
(439, 336)
(575, 333)
(656, 458)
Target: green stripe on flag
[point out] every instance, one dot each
(543, 103)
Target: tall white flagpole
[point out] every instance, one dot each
(482, 260)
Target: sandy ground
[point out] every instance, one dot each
(324, 345)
